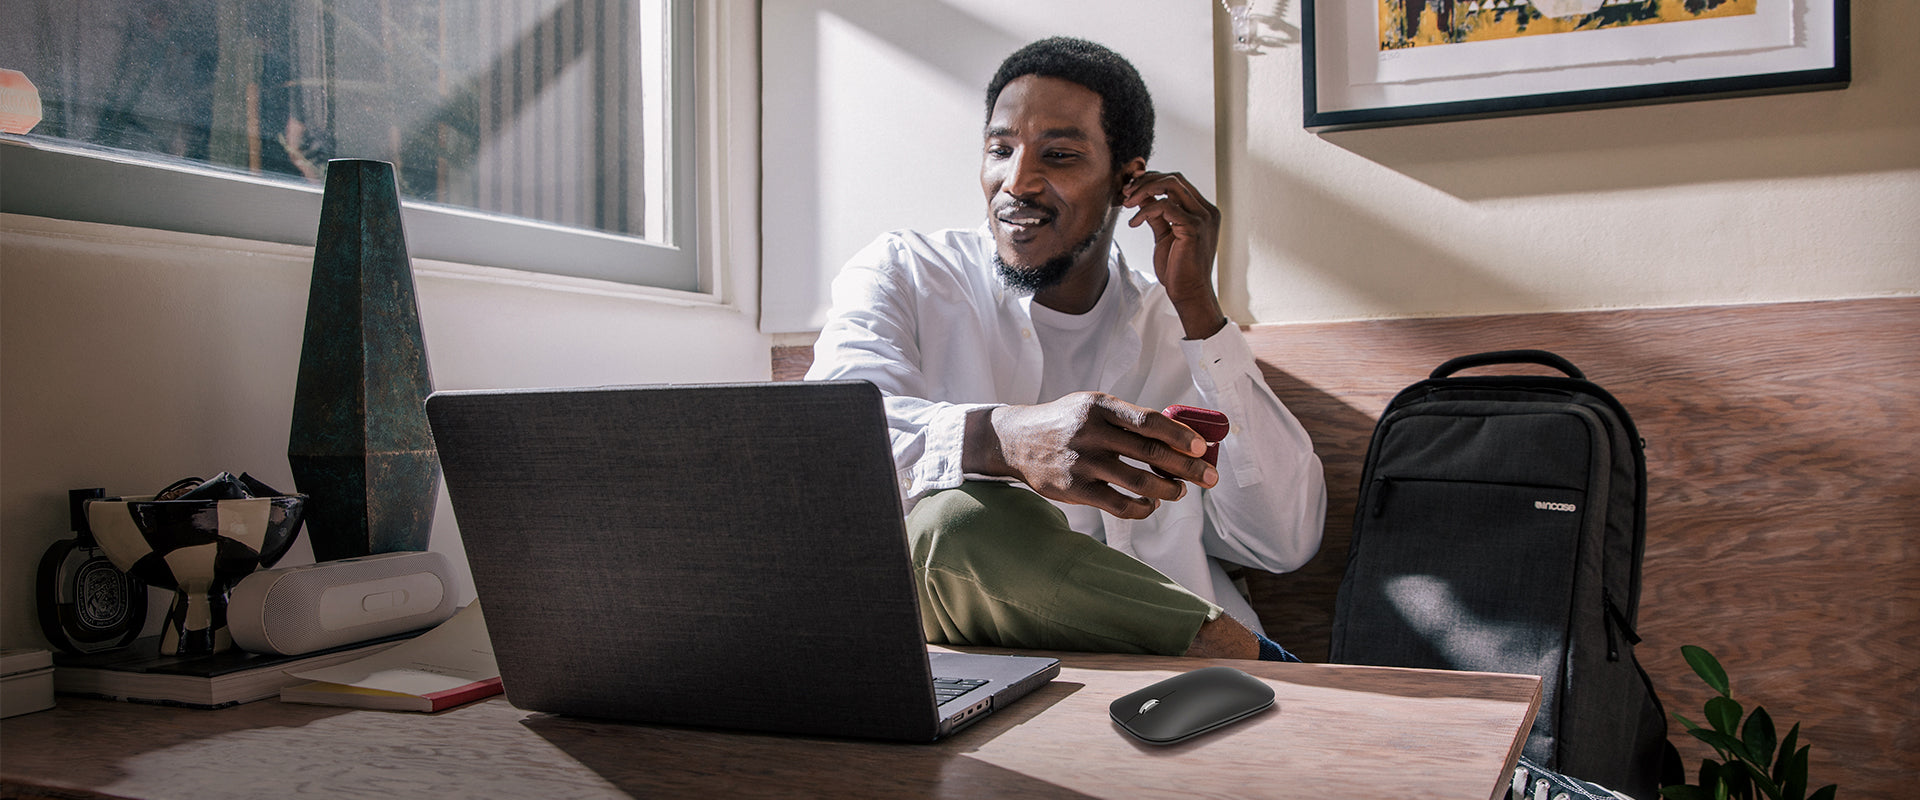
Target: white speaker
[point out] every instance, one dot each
(302, 609)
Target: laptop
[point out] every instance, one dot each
(726, 556)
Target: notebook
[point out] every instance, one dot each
(727, 556)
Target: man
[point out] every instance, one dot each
(1049, 504)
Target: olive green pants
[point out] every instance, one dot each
(996, 564)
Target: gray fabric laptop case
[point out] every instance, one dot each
(727, 556)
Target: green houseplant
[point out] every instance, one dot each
(1753, 763)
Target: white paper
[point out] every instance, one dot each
(453, 655)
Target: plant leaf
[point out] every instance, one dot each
(1759, 736)
(1712, 775)
(1724, 713)
(1794, 782)
(1781, 764)
(1728, 747)
(1684, 722)
(1707, 667)
(1760, 779)
(1826, 792)
(1737, 783)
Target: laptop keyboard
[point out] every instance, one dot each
(945, 689)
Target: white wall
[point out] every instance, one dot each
(131, 358)
(1787, 197)
(874, 110)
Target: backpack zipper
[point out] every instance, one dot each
(1616, 618)
(1383, 486)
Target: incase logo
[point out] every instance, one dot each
(1546, 506)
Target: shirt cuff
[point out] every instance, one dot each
(1219, 359)
(1222, 366)
(940, 464)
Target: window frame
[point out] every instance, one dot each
(60, 179)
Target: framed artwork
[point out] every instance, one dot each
(1371, 63)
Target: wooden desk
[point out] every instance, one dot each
(1335, 732)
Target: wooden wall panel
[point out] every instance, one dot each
(1784, 502)
(790, 363)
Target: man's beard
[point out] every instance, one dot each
(1034, 280)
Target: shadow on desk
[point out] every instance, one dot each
(1444, 735)
(644, 760)
(73, 741)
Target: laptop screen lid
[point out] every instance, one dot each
(726, 556)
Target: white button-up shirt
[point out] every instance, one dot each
(926, 318)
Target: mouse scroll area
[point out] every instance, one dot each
(1190, 704)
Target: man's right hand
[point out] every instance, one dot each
(1070, 450)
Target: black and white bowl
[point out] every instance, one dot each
(199, 549)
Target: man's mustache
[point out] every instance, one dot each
(1023, 208)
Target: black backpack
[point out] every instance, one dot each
(1500, 528)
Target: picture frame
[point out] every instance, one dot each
(1365, 65)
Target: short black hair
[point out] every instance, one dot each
(1126, 109)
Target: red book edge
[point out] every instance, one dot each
(441, 701)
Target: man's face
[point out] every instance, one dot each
(1049, 179)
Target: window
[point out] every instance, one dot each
(549, 135)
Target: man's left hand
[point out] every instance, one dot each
(1186, 235)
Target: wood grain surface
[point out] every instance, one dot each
(1783, 501)
(1335, 732)
(1783, 507)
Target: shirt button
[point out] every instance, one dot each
(1026, 333)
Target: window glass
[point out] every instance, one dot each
(553, 113)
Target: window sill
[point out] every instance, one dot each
(148, 239)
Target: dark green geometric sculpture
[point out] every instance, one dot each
(360, 448)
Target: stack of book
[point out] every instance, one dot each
(139, 673)
(26, 682)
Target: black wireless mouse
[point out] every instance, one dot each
(1190, 704)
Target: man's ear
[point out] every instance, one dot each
(1126, 175)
